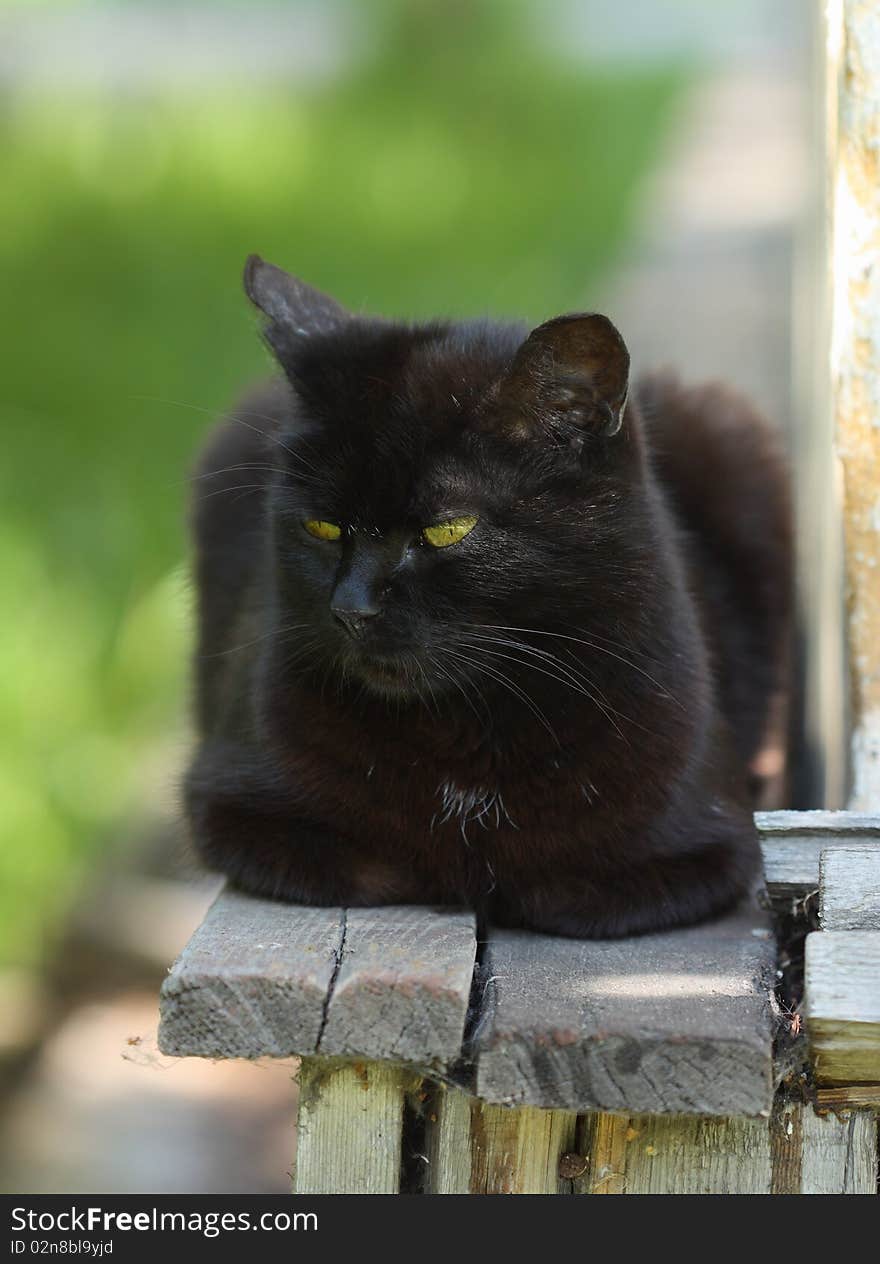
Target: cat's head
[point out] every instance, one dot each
(445, 489)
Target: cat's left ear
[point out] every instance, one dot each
(293, 310)
(570, 377)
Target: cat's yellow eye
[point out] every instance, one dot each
(322, 530)
(442, 534)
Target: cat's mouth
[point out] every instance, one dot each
(387, 675)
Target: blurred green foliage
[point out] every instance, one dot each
(459, 172)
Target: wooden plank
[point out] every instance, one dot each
(840, 1096)
(792, 844)
(839, 1152)
(403, 985)
(797, 1151)
(604, 1141)
(854, 187)
(474, 1148)
(842, 1003)
(449, 1142)
(264, 979)
(820, 753)
(252, 982)
(676, 1154)
(349, 1128)
(822, 1153)
(816, 821)
(518, 1151)
(673, 1023)
(849, 889)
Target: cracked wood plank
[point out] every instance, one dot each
(673, 1023)
(849, 889)
(403, 985)
(792, 844)
(252, 982)
(263, 979)
(842, 1003)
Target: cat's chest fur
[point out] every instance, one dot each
(427, 784)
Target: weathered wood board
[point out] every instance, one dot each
(252, 982)
(474, 1148)
(403, 985)
(838, 1152)
(838, 1097)
(262, 979)
(796, 1151)
(265, 979)
(792, 844)
(349, 1128)
(673, 1023)
(674, 1154)
(853, 122)
(849, 889)
(842, 1002)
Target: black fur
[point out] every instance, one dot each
(552, 720)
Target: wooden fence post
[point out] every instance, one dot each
(853, 41)
(475, 1148)
(350, 1127)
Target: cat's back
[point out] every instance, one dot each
(228, 520)
(723, 471)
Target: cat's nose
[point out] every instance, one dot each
(354, 621)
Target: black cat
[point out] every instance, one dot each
(474, 628)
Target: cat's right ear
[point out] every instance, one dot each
(567, 381)
(293, 310)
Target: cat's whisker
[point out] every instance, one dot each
(210, 412)
(607, 640)
(231, 469)
(664, 692)
(239, 418)
(574, 677)
(609, 713)
(256, 467)
(503, 679)
(482, 720)
(239, 487)
(429, 686)
(592, 692)
(577, 672)
(273, 632)
(555, 670)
